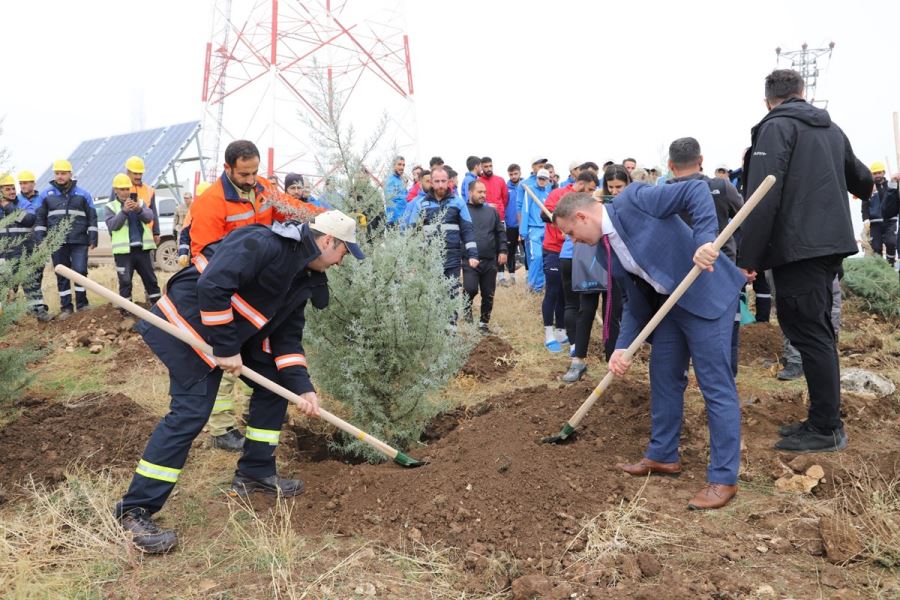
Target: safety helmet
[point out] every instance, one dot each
(62, 165)
(26, 176)
(135, 164)
(121, 181)
(877, 166)
(7, 179)
(202, 187)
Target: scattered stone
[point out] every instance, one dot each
(765, 590)
(365, 589)
(649, 564)
(779, 545)
(96, 349)
(816, 471)
(866, 383)
(531, 587)
(84, 340)
(801, 463)
(415, 534)
(840, 539)
(762, 548)
(796, 483)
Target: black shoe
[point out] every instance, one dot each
(483, 329)
(42, 315)
(273, 485)
(809, 439)
(790, 372)
(791, 428)
(64, 314)
(232, 440)
(575, 373)
(146, 534)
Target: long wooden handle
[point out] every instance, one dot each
(539, 203)
(250, 374)
(726, 234)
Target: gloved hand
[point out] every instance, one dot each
(184, 260)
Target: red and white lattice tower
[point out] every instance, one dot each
(264, 55)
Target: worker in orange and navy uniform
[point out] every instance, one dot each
(247, 302)
(134, 168)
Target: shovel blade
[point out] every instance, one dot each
(566, 434)
(409, 462)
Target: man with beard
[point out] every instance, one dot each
(134, 168)
(395, 192)
(495, 187)
(490, 237)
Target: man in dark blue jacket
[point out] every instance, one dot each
(880, 211)
(247, 301)
(802, 231)
(650, 249)
(62, 200)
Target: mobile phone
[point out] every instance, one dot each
(133, 196)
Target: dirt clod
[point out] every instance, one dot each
(493, 357)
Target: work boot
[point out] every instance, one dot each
(64, 314)
(232, 440)
(812, 439)
(272, 485)
(790, 372)
(575, 373)
(147, 535)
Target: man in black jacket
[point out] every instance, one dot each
(802, 231)
(490, 237)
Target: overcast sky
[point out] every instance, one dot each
(567, 79)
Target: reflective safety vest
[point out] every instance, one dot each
(147, 195)
(120, 239)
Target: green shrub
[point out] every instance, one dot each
(874, 281)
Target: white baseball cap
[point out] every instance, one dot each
(538, 159)
(543, 174)
(339, 225)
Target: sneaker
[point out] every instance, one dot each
(791, 428)
(553, 346)
(42, 315)
(790, 372)
(575, 373)
(572, 351)
(64, 314)
(232, 440)
(272, 485)
(561, 336)
(147, 535)
(484, 329)
(809, 439)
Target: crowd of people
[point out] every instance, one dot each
(608, 243)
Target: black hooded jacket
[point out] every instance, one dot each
(806, 214)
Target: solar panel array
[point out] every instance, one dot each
(95, 162)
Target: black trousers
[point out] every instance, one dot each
(512, 244)
(804, 301)
(571, 299)
(483, 278)
(553, 307)
(137, 260)
(763, 292)
(884, 237)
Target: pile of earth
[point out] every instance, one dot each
(97, 430)
(760, 342)
(490, 359)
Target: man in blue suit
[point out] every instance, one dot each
(651, 249)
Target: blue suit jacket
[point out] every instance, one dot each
(646, 218)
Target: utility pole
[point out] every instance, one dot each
(806, 62)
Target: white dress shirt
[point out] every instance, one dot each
(625, 257)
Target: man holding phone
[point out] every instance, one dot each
(128, 220)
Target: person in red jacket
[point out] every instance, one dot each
(497, 192)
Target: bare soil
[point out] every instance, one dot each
(491, 359)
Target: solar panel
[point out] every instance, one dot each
(95, 162)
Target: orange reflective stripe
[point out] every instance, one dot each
(248, 312)
(200, 262)
(290, 360)
(267, 346)
(172, 315)
(216, 317)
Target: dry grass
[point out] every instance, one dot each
(871, 503)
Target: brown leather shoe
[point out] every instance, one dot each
(714, 495)
(645, 466)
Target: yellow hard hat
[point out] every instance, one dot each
(121, 181)
(202, 187)
(26, 176)
(62, 165)
(135, 164)
(7, 179)
(877, 166)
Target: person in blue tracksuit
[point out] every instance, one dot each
(651, 251)
(443, 212)
(63, 199)
(395, 192)
(532, 227)
(247, 300)
(511, 220)
(473, 171)
(411, 212)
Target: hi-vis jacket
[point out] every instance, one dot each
(249, 297)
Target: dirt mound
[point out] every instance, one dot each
(490, 359)
(491, 481)
(760, 342)
(97, 430)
